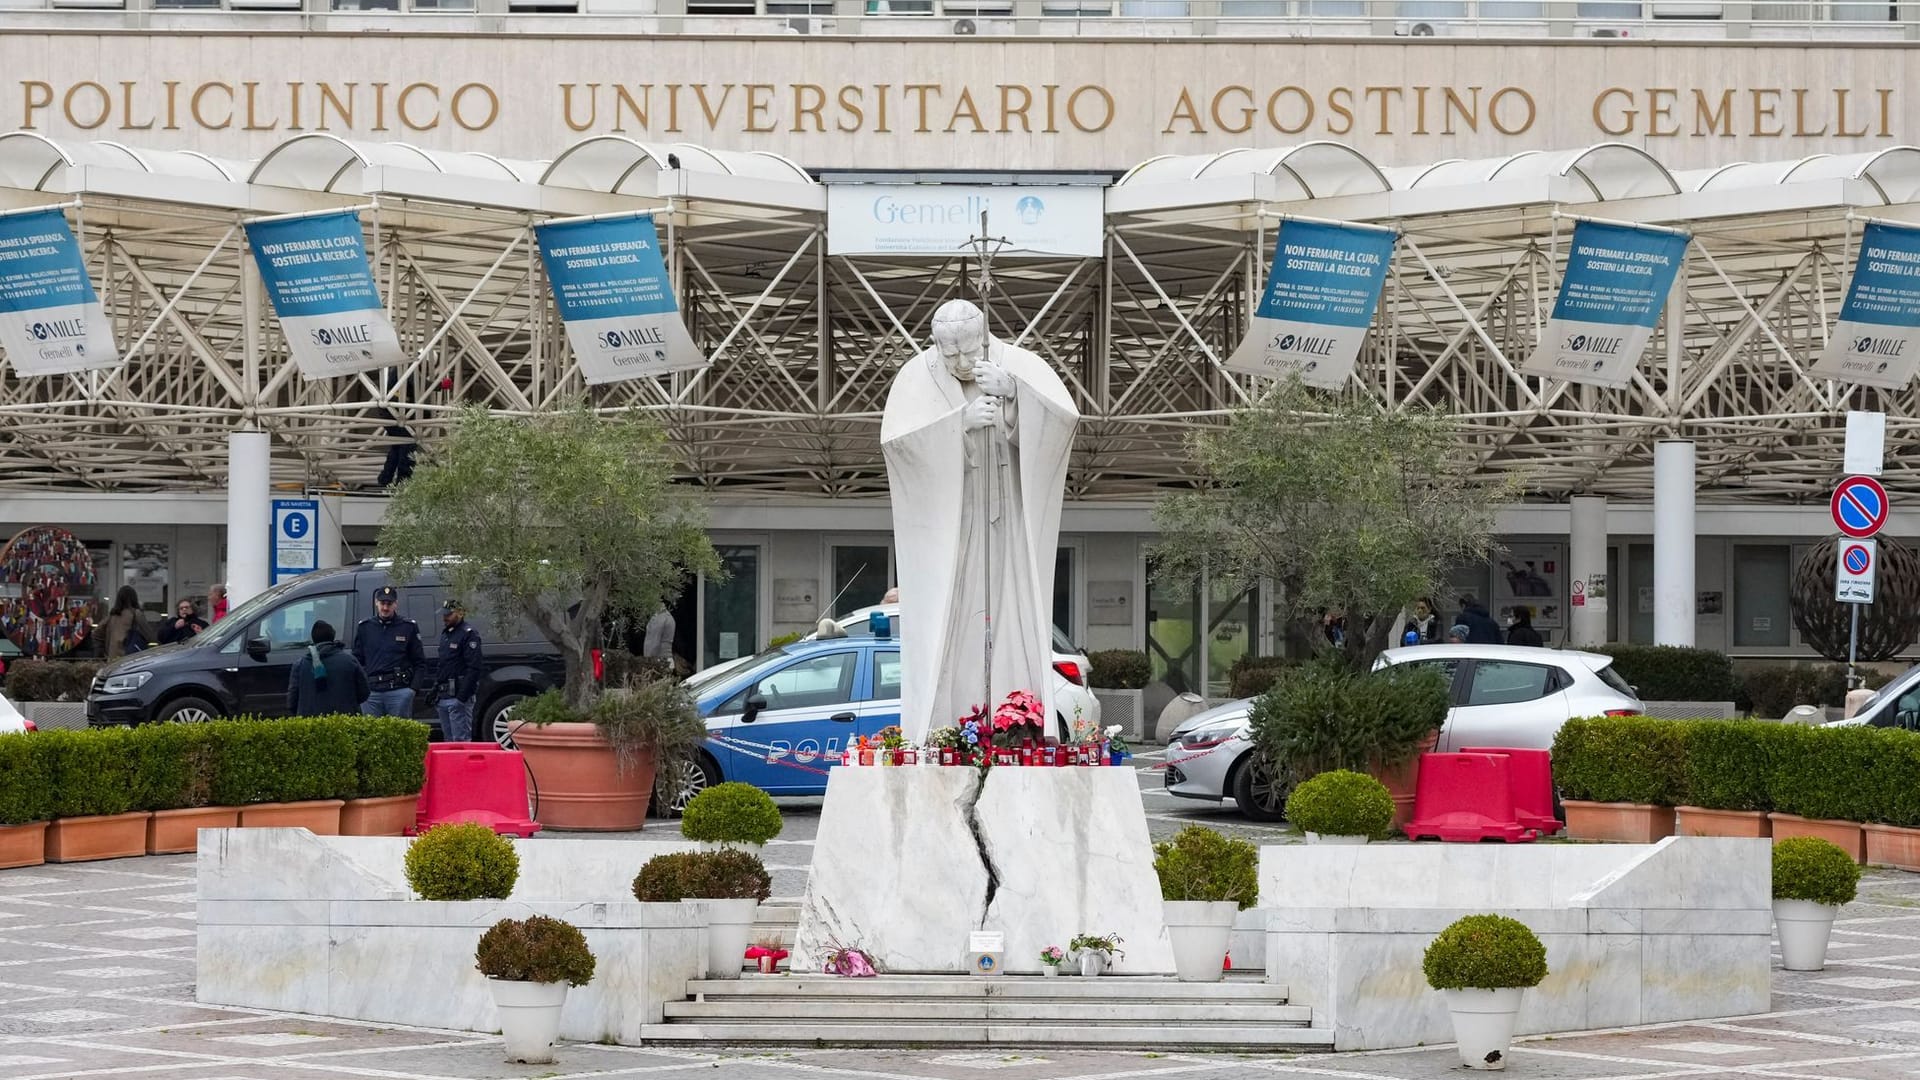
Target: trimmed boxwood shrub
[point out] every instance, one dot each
(1821, 772)
(1726, 764)
(50, 680)
(290, 760)
(389, 756)
(463, 861)
(1773, 690)
(1894, 778)
(1201, 864)
(1674, 673)
(1120, 669)
(1809, 868)
(90, 772)
(173, 765)
(1485, 952)
(731, 813)
(1630, 759)
(1251, 676)
(702, 875)
(26, 784)
(535, 949)
(1341, 803)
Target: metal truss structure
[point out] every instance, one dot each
(804, 344)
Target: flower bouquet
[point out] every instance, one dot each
(1117, 751)
(1051, 958)
(946, 744)
(851, 963)
(893, 742)
(1020, 720)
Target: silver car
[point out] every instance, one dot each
(1503, 695)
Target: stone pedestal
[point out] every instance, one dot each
(908, 861)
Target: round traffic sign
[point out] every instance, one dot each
(296, 524)
(1859, 507)
(1857, 560)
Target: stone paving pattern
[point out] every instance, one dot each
(96, 980)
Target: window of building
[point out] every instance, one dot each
(730, 613)
(861, 574)
(1762, 601)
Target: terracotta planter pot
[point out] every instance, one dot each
(1890, 845)
(1846, 834)
(23, 845)
(1700, 821)
(581, 785)
(1403, 779)
(1624, 823)
(171, 832)
(387, 816)
(320, 817)
(105, 836)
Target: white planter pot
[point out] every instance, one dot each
(729, 925)
(1483, 1025)
(1200, 931)
(1092, 964)
(1320, 838)
(1050, 970)
(529, 1017)
(1804, 928)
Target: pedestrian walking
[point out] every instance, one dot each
(387, 645)
(126, 628)
(326, 681)
(457, 681)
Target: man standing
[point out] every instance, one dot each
(326, 680)
(389, 648)
(457, 683)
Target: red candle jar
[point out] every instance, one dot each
(909, 757)
(1049, 756)
(948, 755)
(1026, 754)
(866, 757)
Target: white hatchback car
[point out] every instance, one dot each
(1503, 695)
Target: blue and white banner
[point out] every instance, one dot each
(316, 273)
(1617, 281)
(51, 321)
(1318, 303)
(296, 538)
(1877, 339)
(611, 286)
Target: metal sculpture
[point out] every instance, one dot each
(1887, 626)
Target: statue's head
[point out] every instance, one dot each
(960, 333)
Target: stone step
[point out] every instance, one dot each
(1116, 988)
(1060, 1011)
(1269, 1037)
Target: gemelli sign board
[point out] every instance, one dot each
(51, 321)
(946, 219)
(316, 273)
(1616, 284)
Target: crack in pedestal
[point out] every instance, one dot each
(980, 843)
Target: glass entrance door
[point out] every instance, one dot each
(730, 608)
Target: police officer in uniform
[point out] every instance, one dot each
(388, 647)
(457, 683)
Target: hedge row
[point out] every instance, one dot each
(51, 680)
(115, 770)
(1671, 673)
(1864, 774)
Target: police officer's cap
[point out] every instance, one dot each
(386, 592)
(453, 605)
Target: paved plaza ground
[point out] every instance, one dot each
(96, 980)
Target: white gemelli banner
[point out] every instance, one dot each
(51, 321)
(1617, 281)
(944, 219)
(316, 272)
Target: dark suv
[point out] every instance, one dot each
(239, 665)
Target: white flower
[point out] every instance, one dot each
(1112, 731)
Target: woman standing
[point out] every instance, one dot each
(217, 602)
(126, 630)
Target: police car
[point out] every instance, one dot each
(783, 719)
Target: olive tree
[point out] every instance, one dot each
(559, 517)
(1339, 504)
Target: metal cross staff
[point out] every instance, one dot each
(985, 246)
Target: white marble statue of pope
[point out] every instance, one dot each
(977, 433)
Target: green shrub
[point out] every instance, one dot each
(288, 760)
(1631, 759)
(1726, 764)
(1809, 868)
(26, 783)
(1674, 673)
(535, 949)
(731, 813)
(1773, 690)
(546, 708)
(90, 772)
(1341, 803)
(660, 716)
(702, 875)
(1119, 669)
(1200, 864)
(1485, 952)
(39, 680)
(389, 755)
(1896, 765)
(1251, 676)
(1317, 718)
(624, 669)
(465, 861)
(1821, 772)
(173, 765)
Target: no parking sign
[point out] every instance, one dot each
(1853, 580)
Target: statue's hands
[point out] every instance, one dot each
(981, 412)
(993, 379)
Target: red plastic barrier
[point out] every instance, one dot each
(475, 781)
(1531, 771)
(1466, 797)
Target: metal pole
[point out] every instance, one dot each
(1853, 648)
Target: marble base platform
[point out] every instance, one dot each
(1635, 933)
(297, 923)
(898, 867)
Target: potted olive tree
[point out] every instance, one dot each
(1205, 880)
(1482, 963)
(1811, 879)
(728, 884)
(529, 963)
(731, 815)
(1341, 807)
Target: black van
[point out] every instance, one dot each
(239, 665)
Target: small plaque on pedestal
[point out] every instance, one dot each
(986, 952)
